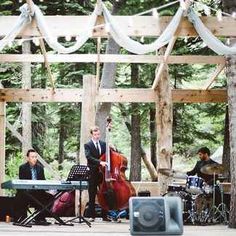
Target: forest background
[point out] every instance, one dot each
(56, 126)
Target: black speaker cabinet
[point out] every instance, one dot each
(6, 207)
(155, 215)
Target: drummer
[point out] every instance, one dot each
(204, 155)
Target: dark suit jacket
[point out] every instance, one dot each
(25, 172)
(92, 154)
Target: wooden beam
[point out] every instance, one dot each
(164, 123)
(142, 26)
(219, 68)
(162, 65)
(116, 58)
(111, 95)
(41, 95)
(2, 143)
(88, 113)
(26, 106)
(46, 63)
(126, 95)
(199, 96)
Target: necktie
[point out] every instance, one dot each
(97, 147)
(33, 173)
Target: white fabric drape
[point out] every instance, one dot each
(135, 47)
(84, 34)
(116, 32)
(21, 22)
(209, 39)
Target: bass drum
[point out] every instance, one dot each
(185, 199)
(203, 203)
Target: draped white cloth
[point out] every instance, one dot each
(21, 22)
(135, 47)
(116, 32)
(84, 34)
(208, 38)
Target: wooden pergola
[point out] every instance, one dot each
(159, 93)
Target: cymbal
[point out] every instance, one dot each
(211, 169)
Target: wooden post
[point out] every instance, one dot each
(88, 112)
(2, 142)
(164, 129)
(26, 106)
(87, 120)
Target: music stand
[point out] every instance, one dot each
(79, 173)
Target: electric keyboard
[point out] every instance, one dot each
(44, 184)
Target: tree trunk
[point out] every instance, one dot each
(108, 77)
(231, 79)
(79, 106)
(2, 143)
(62, 137)
(150, 167)
(153, 136)
(39, 127)
(226, 148)
(230, 6)
(135, 165)
(107, 81)
(135, 174)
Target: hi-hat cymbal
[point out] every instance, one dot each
(211, 169)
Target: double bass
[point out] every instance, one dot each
(114, 190)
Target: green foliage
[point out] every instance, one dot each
(12, 169)
(62, 172)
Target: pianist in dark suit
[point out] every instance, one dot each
(94, 149)
(31, 170)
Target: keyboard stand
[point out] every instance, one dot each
(26, 221)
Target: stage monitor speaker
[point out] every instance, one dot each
(155, 215)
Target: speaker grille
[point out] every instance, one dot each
(155, 215)
(148, 214)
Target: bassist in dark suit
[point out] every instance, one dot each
(94, 149)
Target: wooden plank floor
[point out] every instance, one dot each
(100, 228)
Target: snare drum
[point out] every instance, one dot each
(194, 184)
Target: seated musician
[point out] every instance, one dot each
(31, 170)
(205, 169)
(204, 155)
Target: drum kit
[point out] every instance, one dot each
(199, 203)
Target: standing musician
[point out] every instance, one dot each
(31, 170)
(94, 149)
(204, 155)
